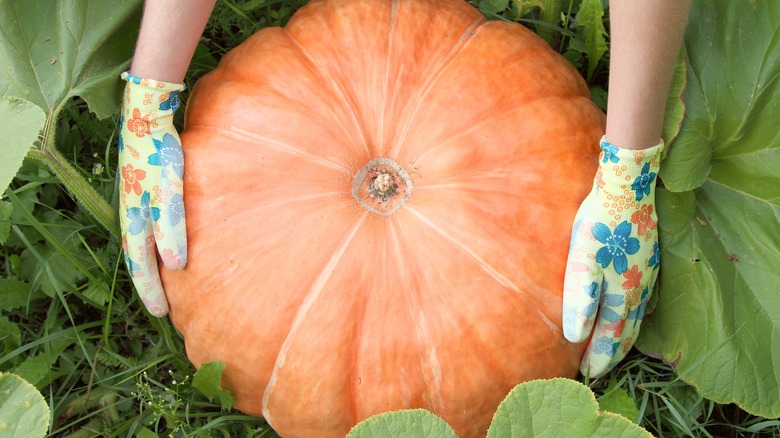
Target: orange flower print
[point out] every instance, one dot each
(598, 178)
(639, 157)
(132, 178)
(644, 219)
(170, 258)
(633, 277)
(616, 328)
(139, 125)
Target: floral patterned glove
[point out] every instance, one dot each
(613, 258)
(151, 166)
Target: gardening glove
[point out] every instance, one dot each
(151, 208)
(613, 258)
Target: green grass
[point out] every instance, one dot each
(72, 326)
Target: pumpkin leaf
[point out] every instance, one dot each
(20, 124)
(146, 433)
(493, 6)
(98, 291)
(15, 294)
(617, 400)
(675, 103)
(590, 17)
(557, 408)
(23, 411)
(716, 318)
(413, 423)
(35, 368)
(52, 51)
(6, 208)
(10, 335)
(50, 269)
(207, 380)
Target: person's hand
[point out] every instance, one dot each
(151, 166)
(613, 258)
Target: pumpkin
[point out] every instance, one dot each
(380, 198)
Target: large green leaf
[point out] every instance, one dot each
(23, 411)
(412, 423)
(20, 122)
(557, 408)
(718, 313)
(207, 380)
(539, 408)
(52, 51)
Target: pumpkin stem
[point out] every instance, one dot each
(82, 191)
(382, 186)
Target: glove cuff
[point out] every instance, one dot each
(151, 84)
(148, 105)
(151, 96)
(628, 172)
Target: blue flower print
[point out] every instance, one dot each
(611, 300)
(575, 228)
(139, 216)
(616, 245)
(643, 184)
(168, 154)
(604, 345)
(655, 259)
(591, 291)
(121, 142)
(176, 209)
(132, 266)
(609, 152)
(569, 319)
(171, 103)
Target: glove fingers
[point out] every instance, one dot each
(141, 260)
(598, 364)
(171, 238)
(581, 293)
(611, 337)
(170, 229)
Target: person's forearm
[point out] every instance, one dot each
(170, 31)
(645, 39)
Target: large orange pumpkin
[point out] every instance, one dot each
(379, 198)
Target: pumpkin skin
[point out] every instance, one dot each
(326, 312)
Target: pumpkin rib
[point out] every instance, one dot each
(536, 298)
(244, 213)
(303, 309)
(431, 79)
(466, 329)
(465, 233)
(255, 140)
(509, 104)
(340, 92)
(416, 319)
(508, 115)
(431, 369)
(258, 86)
(393, 23)
(231, 101)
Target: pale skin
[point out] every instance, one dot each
(170, 31)
(645, 38)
